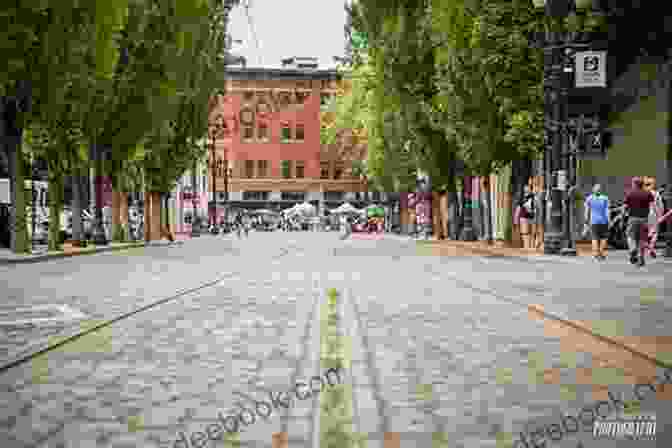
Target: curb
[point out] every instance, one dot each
(46, 257)
(631, 348)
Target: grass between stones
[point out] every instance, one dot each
(98, 341)
(336, 409)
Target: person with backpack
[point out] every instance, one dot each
(525, 215)
(597, 216)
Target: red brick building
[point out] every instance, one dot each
(271, 141)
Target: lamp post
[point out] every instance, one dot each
(216, 130)
(558, 47)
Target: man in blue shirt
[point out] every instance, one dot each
(597, 214)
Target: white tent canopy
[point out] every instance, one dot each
(264, 211)
(345, 208)
(304, 209)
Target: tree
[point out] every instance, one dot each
(45, 36)
(174, 144)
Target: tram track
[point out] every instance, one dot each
(68, 337)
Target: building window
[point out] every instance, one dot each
(286, 169)
(226, 131)
(249, 169)
(301, 97)
(284, 100)
(296, 196)
(285, 133)
(324, 170)
(299, 133)
(262, 132)
(335, 196)
(248, 95)
(255, 195)
(262, 168)
(300, 169)
(248, 133)
(338, 171)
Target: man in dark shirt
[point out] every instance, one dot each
(638, 203)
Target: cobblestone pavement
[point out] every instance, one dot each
(435, 360)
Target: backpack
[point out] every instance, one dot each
(527, 206)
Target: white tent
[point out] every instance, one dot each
(305, 209)
(345, 209)
(264, 211)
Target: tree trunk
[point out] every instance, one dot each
(20, 240)
(18, 221)
(167, 212)
(147, 217)
(77, 225)
(443, 211)
(55, 209)
(155, 220)
(123, 214)
(506, 214)
(116, 215)
(487, 207)
(437, 226)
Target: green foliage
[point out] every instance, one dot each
(490, 81)
(442, 80)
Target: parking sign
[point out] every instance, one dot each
(591, 69)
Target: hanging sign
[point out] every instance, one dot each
(591, 69)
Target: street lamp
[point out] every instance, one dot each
(558, 47)
(217, 130)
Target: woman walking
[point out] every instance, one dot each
(525, 215)
(655, 213)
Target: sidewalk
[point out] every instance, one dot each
(635, 314)
(501, 249)
(41, 254)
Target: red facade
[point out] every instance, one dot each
(271, 123)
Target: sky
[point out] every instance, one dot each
(286, 28)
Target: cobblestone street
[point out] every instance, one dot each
(439, 351)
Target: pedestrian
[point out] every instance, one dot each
(539, 216)
(655, 212)
(597, 216)
(239, 224)
(525, 214)
(638, 204)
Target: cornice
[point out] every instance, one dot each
(240, 74)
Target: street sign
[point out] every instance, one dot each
(596, 143)
(591, 69)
